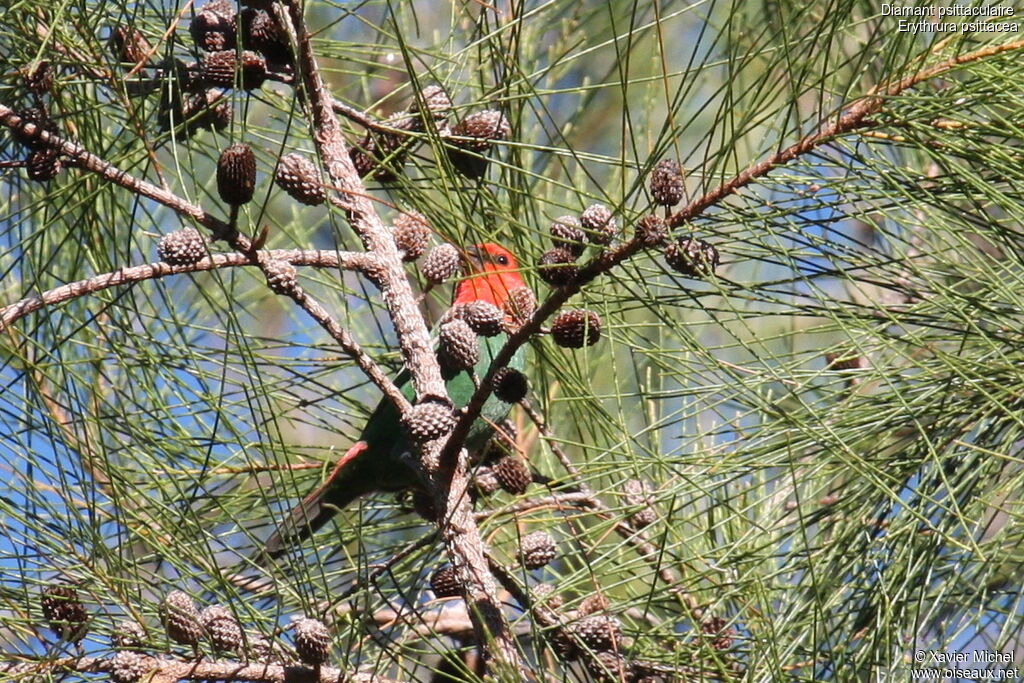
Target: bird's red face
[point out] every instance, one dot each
(492, 273)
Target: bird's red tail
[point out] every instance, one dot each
(316, 509)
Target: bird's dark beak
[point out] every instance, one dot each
(473, 259)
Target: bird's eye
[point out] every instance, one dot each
(502, 260)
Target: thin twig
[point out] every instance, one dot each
(542, 428)
(556, 500)
(359, 116)
(382, 567)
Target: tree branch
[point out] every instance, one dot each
(411, 328)
(450, 485)
(91, 162)
(152, 271)
(855, 117)
(220, 230)
(160, 668)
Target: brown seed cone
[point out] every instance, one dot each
(211, 34)
(638, 494)
(236, 174)
(599, 632)
(64, 612)
(363, 158)
(510, 385)
(218, 69)
(644, 517)
(224, 8)
(513, 474)
(262, 33)
(300, 178)
(506, 434)
(484, 317)
(380, 154)
(651, 230)
(43, 165)
(667, 186)
(467, 156)
(557, 267)
(312, 641)
(214, 41)
(460, 348)
(482, 127)
(593, 603)
(564, 645)
(438, 106)
(213, 27)
(129, 667)
(609, 667)
(220, 114)
(441, 263)
(39, 117)
(428, 421)
(567, 234)
(520, 305)
(282, 278)
(128, 635)
(199, 112)
(445, 583)
(128, 45)
(485, 482)
(544, 594)
(181, 618)
(223, 630)
(187, 114)
(576, 328)
(537, 549)
(182, 247)
(597, 220)
(720, 630)
(692, 257)
(412, 234)
(39, 79)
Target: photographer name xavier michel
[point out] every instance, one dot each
(943, 657)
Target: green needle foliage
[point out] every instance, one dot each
(829, 426)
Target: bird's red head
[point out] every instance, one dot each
(492, 273)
